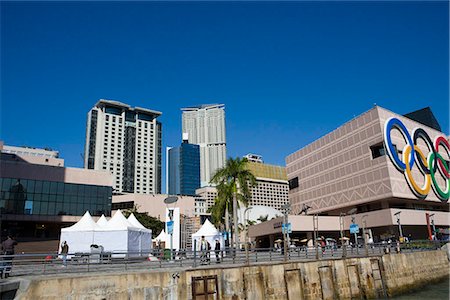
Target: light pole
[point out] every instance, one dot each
(353, 212)
(287, 209)
(246, 231)
(341, 225)
(170, 200)
(397, 214)
(363, 219)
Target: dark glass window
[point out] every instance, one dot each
(53, 188)
(38, 187)
(45, 187)
(60, 188)
(113, 110)
(293, 183)
(6, 184)
(378, 150)
(30, 188)
(32, 197)
(142, 116)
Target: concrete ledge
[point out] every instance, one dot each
(368, 277)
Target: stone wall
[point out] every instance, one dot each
(371, 277)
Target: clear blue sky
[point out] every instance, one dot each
(287, 72)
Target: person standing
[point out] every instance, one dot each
(217, 251)
(203, 249)
(8, 250)
(64, 251)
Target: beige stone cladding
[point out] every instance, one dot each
(338, 169)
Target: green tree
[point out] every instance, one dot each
(234, 181)
(147, 221)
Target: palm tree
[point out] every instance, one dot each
(222, 206)
(234, 181)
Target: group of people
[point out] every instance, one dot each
(205, 249)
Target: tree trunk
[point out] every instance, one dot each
(227, 222)
(235, 222)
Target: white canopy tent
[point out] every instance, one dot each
(145, 234)
(120, 235)
(80, 236)
(211, 234)
(115, 235)
(102, 222)
(163, 237)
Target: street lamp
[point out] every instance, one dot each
(363, 219)
(170, 200)
(246, 231)
(341, 225)
(287, 209)
(353, 212)
(397, 214)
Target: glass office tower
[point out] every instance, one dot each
(184, 169)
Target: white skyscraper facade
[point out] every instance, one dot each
(205, 125)
(127, 142)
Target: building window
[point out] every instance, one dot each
(378, 150)
(293, 183)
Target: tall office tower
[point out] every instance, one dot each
(205, 125)
(127, 142)
(183, 168)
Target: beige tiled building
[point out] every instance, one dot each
(271, 189)
(350, 167)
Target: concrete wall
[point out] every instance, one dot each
(371, 278)
(154, 204)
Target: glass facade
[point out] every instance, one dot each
(184, 169)
(51, 198)
(174, 171)
(189, 168)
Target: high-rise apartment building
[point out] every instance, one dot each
(183, 169)
(205, 125)
(127, 142)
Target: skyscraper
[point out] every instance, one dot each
(127, 142)
(184, 169)
(205, 125)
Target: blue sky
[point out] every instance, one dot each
(287, 72)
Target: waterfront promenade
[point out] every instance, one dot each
(266, 274)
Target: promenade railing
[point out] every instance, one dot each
(52, 263)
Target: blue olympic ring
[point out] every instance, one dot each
(396, 123)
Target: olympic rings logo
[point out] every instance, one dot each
(428, 165)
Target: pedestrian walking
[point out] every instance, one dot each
(204, 250)
(64, 251)
(217, 251)
(8, 250)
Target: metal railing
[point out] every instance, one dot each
(52, 263)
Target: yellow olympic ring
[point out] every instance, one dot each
(423, 191)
